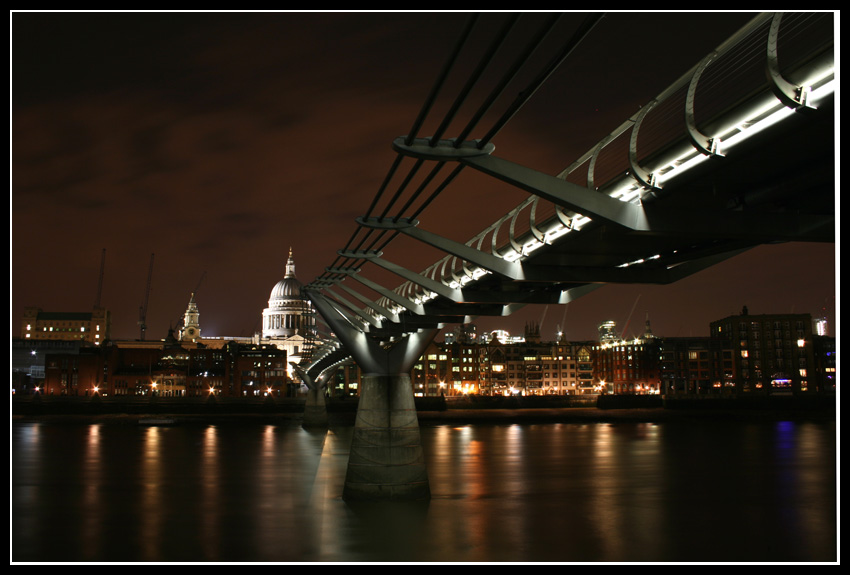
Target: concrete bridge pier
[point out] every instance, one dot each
(315, 409)
(386, 461)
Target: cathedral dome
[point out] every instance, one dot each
(287, 289)
(288, 313)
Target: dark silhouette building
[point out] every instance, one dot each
(770, 353)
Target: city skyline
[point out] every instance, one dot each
(219, 141)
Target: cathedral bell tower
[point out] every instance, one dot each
(191, 330)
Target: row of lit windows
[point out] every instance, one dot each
(57, 335)
(57, 328)
(755, 325)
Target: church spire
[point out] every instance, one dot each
(191, 330)
(290, 266)
(647, 332)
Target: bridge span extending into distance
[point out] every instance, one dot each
(736, 153)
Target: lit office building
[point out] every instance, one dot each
(91, 327)
(627, 366)
(767, 353)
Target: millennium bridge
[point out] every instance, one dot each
(738, 152)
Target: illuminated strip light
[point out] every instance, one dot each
(627, 191)
(688, 161)
(640, 261)
(531, 246)
(632, 194)
(680, 165)
(424, 298)
(747, 132)
(579, 221)
(576, 223)
(821, 92)
(455, 284)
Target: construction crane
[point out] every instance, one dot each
(143, 310)
(100, 279)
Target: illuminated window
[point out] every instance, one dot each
(744, 353)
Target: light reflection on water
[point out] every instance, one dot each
(707, 491)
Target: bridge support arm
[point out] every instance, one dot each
(420, 280)
(393, 317)
(360, 313)
(362, 348)
(389, 294)
(483, 260)
(649, 217)
(582, 200)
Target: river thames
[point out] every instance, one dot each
(674, 491)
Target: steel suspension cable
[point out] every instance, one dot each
(413, 171)
(473, 78)
(439, 189)
(414, 130)
(510, 75)
(384, 184)
(431, 175)
(429, 101)
(523, 97)
(526, 94)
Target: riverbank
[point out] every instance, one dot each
(455, 414)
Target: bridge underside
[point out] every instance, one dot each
(778, 186)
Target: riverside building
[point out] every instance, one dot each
(91, 327)
(769, 353)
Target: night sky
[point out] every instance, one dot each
(219, 141)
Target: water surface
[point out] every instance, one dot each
(675, 491)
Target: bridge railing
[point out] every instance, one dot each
(778, 61)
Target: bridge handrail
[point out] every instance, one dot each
(763, 28)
